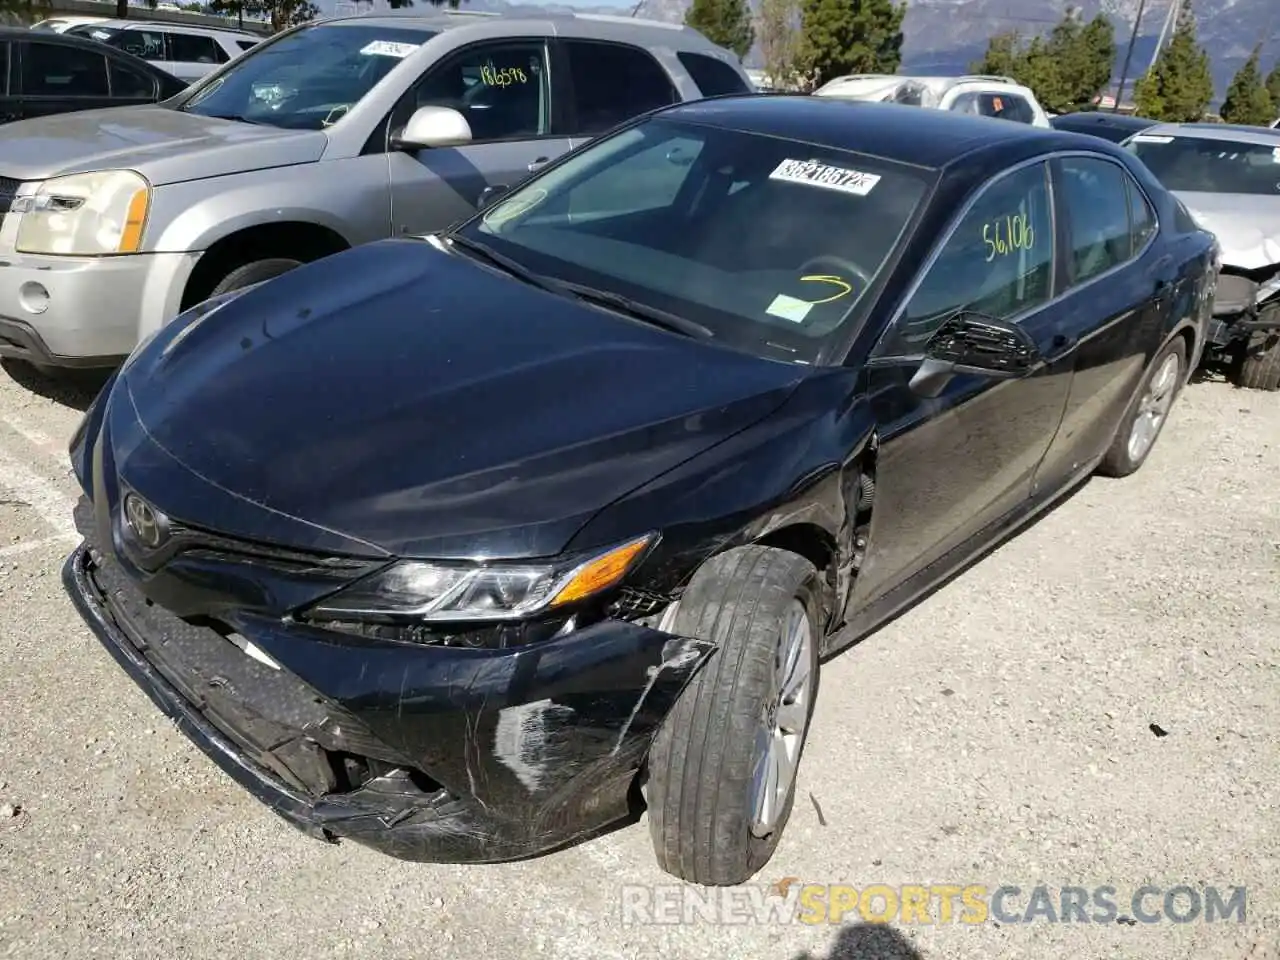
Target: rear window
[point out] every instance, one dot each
(1202, 165)
(713, 77)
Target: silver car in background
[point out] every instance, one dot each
(326, 136)
(1228, 178)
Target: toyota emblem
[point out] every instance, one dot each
(147, 523)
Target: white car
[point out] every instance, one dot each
(63, 24)
(187, 52)
(988, 96)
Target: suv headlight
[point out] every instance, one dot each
(85, 215)
(431, 592)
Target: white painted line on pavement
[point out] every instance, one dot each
(33, 436)
(40, 493)
(31, 546)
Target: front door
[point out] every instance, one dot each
(58, 78)
(503, 89)
(952, 465)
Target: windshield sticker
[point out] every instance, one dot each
(1005, 235)
(507, 210)
(1275, 155)
(1151, 138)
(492, 76)
(789, 308)
(387, 48)
(821, 175)
(842, 287)
(100, 35)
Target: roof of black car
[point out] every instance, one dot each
(915, 135)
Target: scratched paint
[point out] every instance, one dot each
(521, 734)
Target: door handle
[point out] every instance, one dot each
(538, 163)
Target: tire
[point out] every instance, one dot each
(1121, 459)
(1260, 369)
(703, 760)
(254, 272)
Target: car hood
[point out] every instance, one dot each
(402, 398)
(165, 146)
(1247, 226)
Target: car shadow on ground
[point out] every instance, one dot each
(867, 941)
(73, 388)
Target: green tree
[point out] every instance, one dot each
(1248, 100)
(839, 37)
(1004, 55)
(1179, 86)
(1272, 83)
(1066, 69)
(778, 30)
(723, 22)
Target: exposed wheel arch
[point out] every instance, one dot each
(296, 240)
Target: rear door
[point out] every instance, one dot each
(59, 78)
(951, 466)
(1117, 287)
(503, 88)
(192, 55)
(610, 83)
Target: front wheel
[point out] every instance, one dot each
(256, 271)
(1148, 412)
(722, 769)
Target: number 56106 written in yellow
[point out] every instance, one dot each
(1007, 234)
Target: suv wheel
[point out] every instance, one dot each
(1259, 368)
(255, 272)
(722, 769)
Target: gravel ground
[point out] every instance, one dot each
(999, 734)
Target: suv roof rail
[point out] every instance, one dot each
(619, 18)
(990, 76)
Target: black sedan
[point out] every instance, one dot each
(466, 546)
(1115, 127)
(55, 73)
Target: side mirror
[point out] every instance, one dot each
(974, 344)
(491, 195)
(433, 127)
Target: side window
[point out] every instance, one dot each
(966, 103)
(194, 48)
(998, 261)
(147, 44)
(613, 82)
(52, 70)
(1006, 106)
(1094, 197)
(713, 77)
(501, 88)
(1142, 219)
(649, 179)
(128, 82)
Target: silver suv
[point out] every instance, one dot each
(325, 136)
(187, 52)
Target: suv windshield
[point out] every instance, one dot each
(1196, 165)
(306, 80)
(769, 243)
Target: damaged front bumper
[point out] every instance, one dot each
(425, 753)
(1245, 305)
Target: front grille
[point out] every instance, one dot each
(8, 190)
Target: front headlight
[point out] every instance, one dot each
(85, 215)
(439, 592)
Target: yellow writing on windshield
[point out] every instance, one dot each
(845, 287)
(1004, 235)
(492, 76)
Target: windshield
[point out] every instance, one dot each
(769, 243)
(306, 80)
(1195, 165)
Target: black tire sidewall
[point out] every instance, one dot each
(736, 853)
(1117, 462)
(256, 271)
